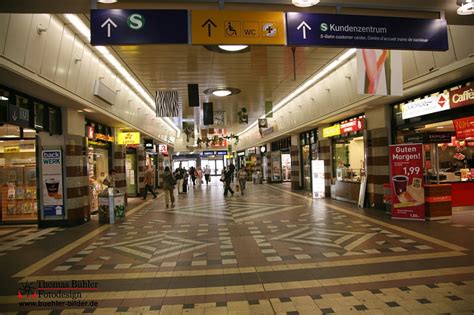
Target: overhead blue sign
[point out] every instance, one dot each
(136, 27)
(359, 31)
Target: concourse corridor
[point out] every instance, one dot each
(270, 251)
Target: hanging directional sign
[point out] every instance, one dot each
(358, 31)
(237, 27)
(132, 27)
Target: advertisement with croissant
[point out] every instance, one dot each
(406, 181)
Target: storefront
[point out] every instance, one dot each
(132, 141)
(309, 152)
(99, 159)
(280, 160)
(348, 158)
(444, 123)
(21, 187)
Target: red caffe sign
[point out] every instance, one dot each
(462, 97)
(464, 127)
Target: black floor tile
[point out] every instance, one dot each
(459, 283)
(221, 304)
(361, 307)
(293, 313)
(375, 291)
(392, 304)
(423, 301)
(316, 297)
(89, 311)
(122, 309)
(155, 308)
(454, 298)
(405, 289)
(346, 294)
(432, 286)
(254, 302)
(327, 311)
(188, 306)
(285, 299)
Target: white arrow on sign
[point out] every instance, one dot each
(305, 26)
(108, 23)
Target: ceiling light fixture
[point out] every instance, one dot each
(233, 47)
(222, 93)
(84, 30)
(466, 7)
(107, 1)
(307, 84)
(3, 98)
(304, 3)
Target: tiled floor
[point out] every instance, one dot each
(270, 251)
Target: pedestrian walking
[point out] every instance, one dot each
(185, 180)
(207, 174)
(231, 168)
(148, 181)
(178, 174)
(242, 177)
(192, 173)
(227, 180)
(169, 181)
(198, 173)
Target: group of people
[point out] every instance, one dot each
(180, 178)
(227, 177)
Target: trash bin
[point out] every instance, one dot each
(111, 206)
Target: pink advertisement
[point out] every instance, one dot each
(406, 181)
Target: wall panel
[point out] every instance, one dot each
(52, 46)
(36, 42)
(17, 37)
(65, 51)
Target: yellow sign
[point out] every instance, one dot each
(128, 138)
(238, 27)
(332, 131)
(15, 149)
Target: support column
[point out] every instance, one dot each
(325, 154)
(141, 169)
(118, 164)
(378, 170)
(295, 163)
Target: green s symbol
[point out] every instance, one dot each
(136, 21)
(323, 27)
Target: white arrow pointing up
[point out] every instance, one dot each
(108, 23)
(305, 26)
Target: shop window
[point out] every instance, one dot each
(348, 159)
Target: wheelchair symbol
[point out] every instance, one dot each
(230, 30)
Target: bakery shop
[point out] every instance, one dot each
(443, 122)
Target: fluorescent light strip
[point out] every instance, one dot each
(104, 51)
(307, 84)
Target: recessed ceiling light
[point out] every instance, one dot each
(3, 98)
(440, 127)
(222, 93)
(233, 47)
(467, 7)
(87, 110)
(304, 3)
(107, 1)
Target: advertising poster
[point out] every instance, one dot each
(317, 169)
(379, 72)
(406, 181)
(52, 182)
(464, 127)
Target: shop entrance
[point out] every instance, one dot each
(184, 163)
(286, 167)
(18, 175)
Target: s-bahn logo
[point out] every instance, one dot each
(324, 27)
(136, 21)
